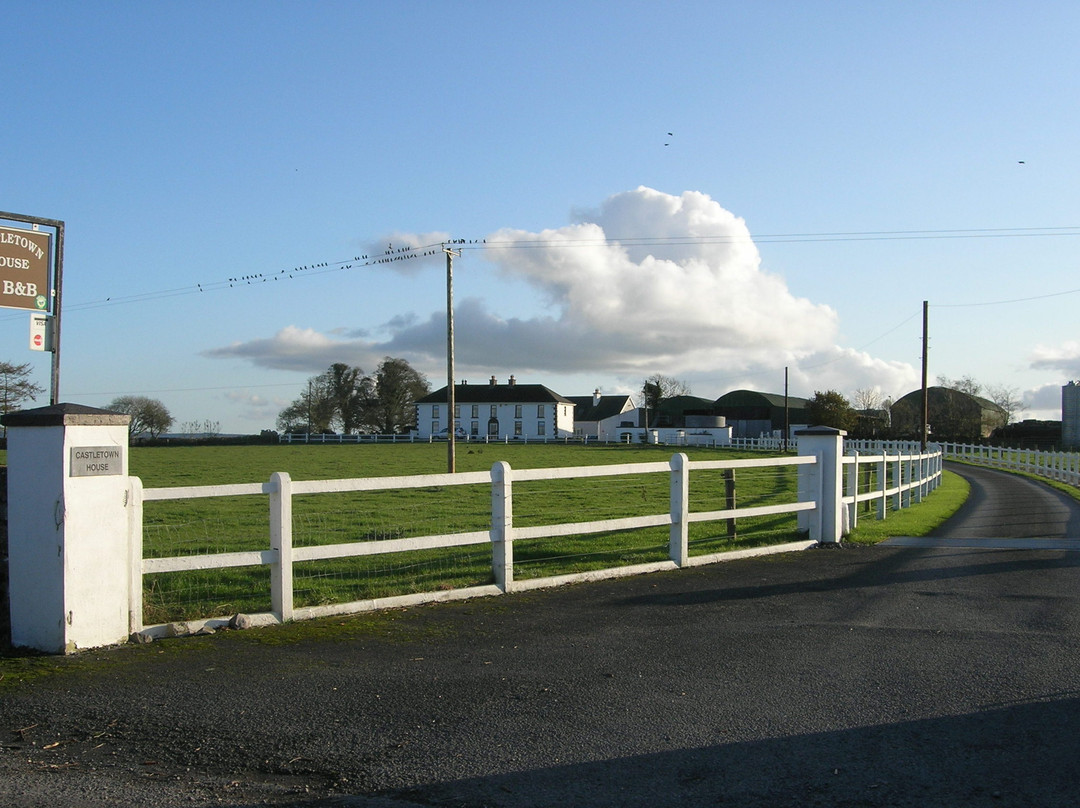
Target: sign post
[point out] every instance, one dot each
(25, 258)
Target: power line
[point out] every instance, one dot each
(143, 391)
(1004, 302)
(872, 235)
(391, 255)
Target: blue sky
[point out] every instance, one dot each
(830, 166)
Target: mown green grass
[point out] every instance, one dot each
(216, 525)
(231, 524)
(242, 523)
(919, 520)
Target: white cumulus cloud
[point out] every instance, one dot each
(1064, 358)
(647, 282)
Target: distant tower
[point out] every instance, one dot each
(1070, 416)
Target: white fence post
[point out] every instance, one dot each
(281, 573)
(135, 554)
(502, 525)
(853, 490)
(883, 484)
(827, 445)
(679, 541)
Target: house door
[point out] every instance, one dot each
(493, 427)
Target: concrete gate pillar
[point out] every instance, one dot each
(822, 482)
(68, 545)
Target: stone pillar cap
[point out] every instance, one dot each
(65, 415)
(821, 430)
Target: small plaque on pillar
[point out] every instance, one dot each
(96, 461)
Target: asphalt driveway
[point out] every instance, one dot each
(883, 676)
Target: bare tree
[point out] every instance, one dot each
(965, 384)
(868, 398)
(207, 428)
(658, 387)
(1008, 398)
(147, 414)
(16, 386)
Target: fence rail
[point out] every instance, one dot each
(1060, 466)
(899, 478)
(892, 475)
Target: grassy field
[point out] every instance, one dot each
(215, 525)
(242, 523)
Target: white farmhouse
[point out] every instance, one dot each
(497, 411)
(599, 417)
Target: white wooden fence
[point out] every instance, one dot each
(1061, 466)
(903, 478)
(899, 475)
(412, 437)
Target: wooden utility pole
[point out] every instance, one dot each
(925, 431)
(451, 458)
(787, 411)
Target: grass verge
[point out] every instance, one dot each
(917, 521)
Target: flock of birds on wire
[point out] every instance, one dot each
(389, 256)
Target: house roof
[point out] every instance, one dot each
(497, 394)
(608, 406)
(752, 398)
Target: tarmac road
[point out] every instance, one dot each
(882, 676)
(1004, 505)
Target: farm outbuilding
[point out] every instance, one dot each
(751, 414)
(952, 415)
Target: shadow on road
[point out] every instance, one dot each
(899, 566)
(1008, 755)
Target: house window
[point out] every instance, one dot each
(540, 428)
(475, 410)
(457, 410)
(434, 427)
(434, 410)
(474, 427)
(517, 429)
(539, 410)
(494, 410)
(517, 410)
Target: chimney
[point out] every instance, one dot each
(596, 397)
(492, 382)
(512, 381)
